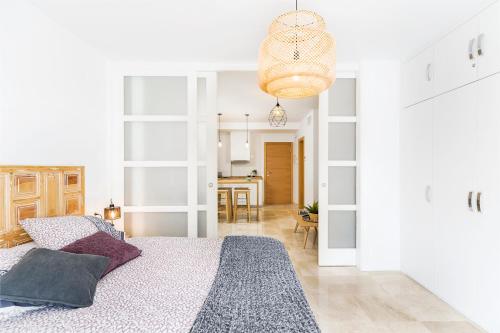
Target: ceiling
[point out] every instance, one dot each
(230, 31)
(238, 93)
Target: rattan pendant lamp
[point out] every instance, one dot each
(297, 58)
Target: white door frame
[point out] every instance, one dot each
(211, 163)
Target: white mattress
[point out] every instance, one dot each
(161, 291)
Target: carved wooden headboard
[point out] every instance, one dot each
(37, 191)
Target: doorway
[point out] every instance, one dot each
(301, 172)
(278, 166)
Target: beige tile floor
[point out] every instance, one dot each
(347, 300)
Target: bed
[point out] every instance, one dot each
(235, 284)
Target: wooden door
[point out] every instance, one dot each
(278, 173)
(418, 232)
(301, 172)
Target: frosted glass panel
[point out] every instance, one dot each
(156, 224)
(202, 223)
(342, 229)
(202, 96)
(156, 186)
(202, 185)
(155, 141)
(202, 141)
(342, 185)
(342, 98)
(155, 95)
(342, 141)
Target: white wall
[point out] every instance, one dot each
(378, 219)
(52, 98)
(308, 129)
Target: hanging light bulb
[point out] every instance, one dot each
(277, 116)
(247, 144)
(218, 131)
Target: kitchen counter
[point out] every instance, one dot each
(242, 180)
(239, 180)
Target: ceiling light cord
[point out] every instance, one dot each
(219, 143)
(296, 54)
(247, 143)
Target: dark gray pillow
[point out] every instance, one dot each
(50, 277)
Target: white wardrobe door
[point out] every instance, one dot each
(418, 230)
(418, 78)
(489, 30)
(453, 67)
(487, 226)
(453, 156)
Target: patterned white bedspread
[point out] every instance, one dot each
(161, 291)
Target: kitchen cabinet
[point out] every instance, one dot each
(240, 147)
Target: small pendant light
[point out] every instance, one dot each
(247, 144)
(218, 131)
(277, 116)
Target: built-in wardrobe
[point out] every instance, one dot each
(450, 168)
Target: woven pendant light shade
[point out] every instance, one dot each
(297, 58)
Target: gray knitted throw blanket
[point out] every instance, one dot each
(255, 290)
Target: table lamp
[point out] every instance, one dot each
(112, 212)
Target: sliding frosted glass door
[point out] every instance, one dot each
(168, 167)
(206, 133)
(338, 174)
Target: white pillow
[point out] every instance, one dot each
(56, 232)
(10, 257)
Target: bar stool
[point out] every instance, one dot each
(225, 194)
(245, 191)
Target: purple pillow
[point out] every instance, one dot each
(103, 244)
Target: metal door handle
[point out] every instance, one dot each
(480, 51)
(428, 72)
(478, 202)
(210, 185)
(471, 47)
(469, 201)
(428, 193)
